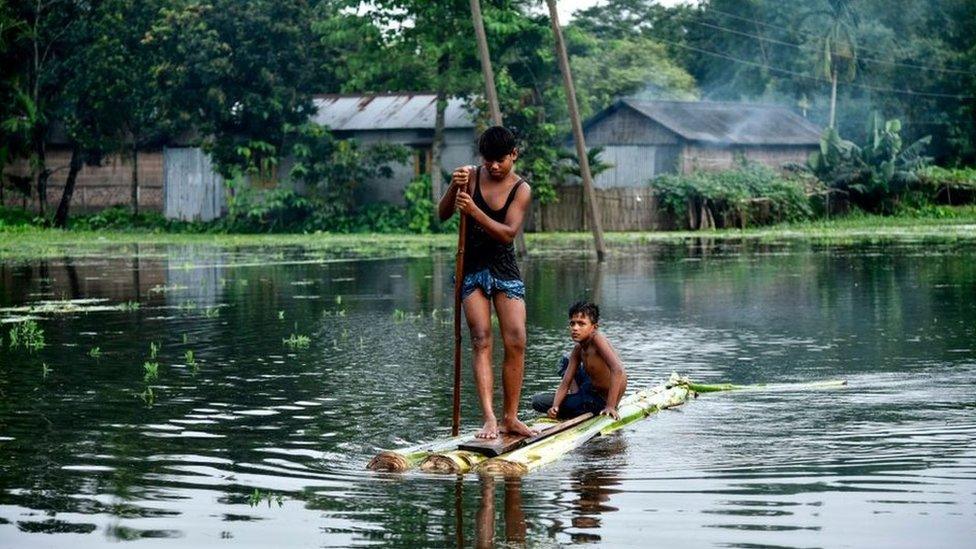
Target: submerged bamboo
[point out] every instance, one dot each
(443, 456)
(637, 406)
(457, 462)
(402, 459)
(406, 458)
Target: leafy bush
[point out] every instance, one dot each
(751, 194)
(421, 215)
(948, 185)
(17, 217)
(253, 210)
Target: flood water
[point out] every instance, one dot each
(88, 457)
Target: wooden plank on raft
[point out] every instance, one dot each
(508, 442)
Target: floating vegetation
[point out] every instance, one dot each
(160, 288)
(211, 312)
(152, 370)
(45, 370)
(297, 341)
(153, 349)
(62, 306)
(281, 315)
(129, 306)
(27, 334)
(400, 316)
(186, 305)
(186, 338)
(95, 353)
(338, 300)
(257, 497)
(190, 360)
(148, 396)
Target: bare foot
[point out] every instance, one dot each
(516, 427)
(490, 430)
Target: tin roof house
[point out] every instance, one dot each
(399, 118)
(643, 139)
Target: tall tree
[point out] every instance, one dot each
(38, 46)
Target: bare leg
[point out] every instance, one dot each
(477, 311)
(511, 320)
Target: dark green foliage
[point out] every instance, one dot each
(751, 194)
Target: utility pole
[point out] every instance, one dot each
(594, 210)
(490, 92)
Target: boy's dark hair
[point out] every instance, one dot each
(585, 308)
(496, 142)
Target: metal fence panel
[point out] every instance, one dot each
(192, 190)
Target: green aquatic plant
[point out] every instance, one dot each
(148, 396)
(95, 353)
(28, 334)
(211, 312)
(45, 370)
(281, 315)
(186, 338)
(153, 350)
(191, 361)
(256, 497)
(297, 341)
(338, 300)
(152, 370)
(400, 316)
(129, 306)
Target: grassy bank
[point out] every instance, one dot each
(22, 242)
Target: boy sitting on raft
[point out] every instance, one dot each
(593, 376)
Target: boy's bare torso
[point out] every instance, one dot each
(595, 365)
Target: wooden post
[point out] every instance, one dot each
(594, 208)
(490, 92)
(489, 74)
(458, 282)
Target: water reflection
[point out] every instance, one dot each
(513, 516)
(81, 455)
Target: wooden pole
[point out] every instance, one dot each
(594, 208)
(489, 74)
(458, 283)
(490, 92)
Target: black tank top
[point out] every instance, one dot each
(481, 250)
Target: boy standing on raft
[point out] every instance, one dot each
(593, 376)
(496, 203)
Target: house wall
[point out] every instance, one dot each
(637, 148)
(97, 187)
(696, 156)
(459, 149)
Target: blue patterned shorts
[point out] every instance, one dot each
(514, 289)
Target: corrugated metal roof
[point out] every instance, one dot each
(388, 112)
(729, 123)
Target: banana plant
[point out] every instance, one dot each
(876, 173)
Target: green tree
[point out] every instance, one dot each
(37, 42)
(237, 74)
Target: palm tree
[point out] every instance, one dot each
(836, 47)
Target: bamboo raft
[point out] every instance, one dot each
(444, 456)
